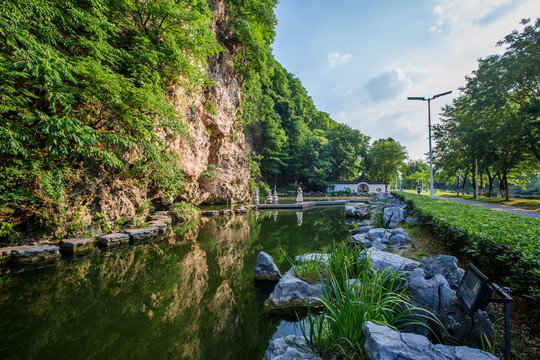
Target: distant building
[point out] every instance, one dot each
(360, 185)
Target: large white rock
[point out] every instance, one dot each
(292, 293)
(384, 343)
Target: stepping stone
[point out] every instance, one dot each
(210, 212)
(77, 246)
(143, 234)
(30, 254)
(162, 218)
(159, 224)
(113, 240)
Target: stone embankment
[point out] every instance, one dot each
(42, 254)
(431, 284)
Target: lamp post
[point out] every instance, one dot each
(429, 126)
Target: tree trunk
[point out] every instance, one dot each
(481, 185)
(464, 182)
(473, 182)
(457, 185)
(507, 197)
(490, 178)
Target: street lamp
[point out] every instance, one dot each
(429, 125)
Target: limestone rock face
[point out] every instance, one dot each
(215, 138)
(384, 343)
(266, 269)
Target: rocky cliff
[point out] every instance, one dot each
(213, 156)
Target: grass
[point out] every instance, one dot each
(525, 204)
(374, 296)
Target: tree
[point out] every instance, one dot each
(384, 159)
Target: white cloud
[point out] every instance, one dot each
(336, 59)
(387, 85)
(438, 9)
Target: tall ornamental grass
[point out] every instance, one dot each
(358, 293)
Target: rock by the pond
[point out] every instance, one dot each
(382, 260)
(435, 295)
(210, 212)
(143, 234)
(266, 269)
(446, 266)
(360, 212)
(375, 234)
(293, 293)
(412, 221)
(378, 244)
(384, 343)
(283, 349)
(381, 197)
(113, 240)
(393, 216)
(381, 239)
(77, 246)
(30, 254)
(360, 239)
(362, 229)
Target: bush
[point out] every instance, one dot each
(504, 244)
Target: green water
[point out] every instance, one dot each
(188, 296)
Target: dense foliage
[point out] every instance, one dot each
(295, 142)
(384, 159)
(502, 243)
(84, 85)
(496, 119)
(298, 143)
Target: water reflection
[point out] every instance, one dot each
(189, 296)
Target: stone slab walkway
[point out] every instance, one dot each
(510, 209)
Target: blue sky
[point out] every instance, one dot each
(359, 60)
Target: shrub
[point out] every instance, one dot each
(504, 244)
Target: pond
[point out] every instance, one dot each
(188, 296)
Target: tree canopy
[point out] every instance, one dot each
(496, 119)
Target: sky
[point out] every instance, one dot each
(359, 60)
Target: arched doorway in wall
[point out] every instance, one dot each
(363, 187)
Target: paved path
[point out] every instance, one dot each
(510, 209)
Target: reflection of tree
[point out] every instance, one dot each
(191, 296)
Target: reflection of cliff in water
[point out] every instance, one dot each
(188, 296)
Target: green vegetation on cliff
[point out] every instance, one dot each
(298, 143)
(85, 85)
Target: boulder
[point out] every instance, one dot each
(266, 269)
(444, 265)
(381, 197)
(393, 216)
(360, 239)
(398, 239)
(358, 212)
(399, 231)
(378, 244)
(285, 348)
(363, 229)
(375, 234)
(435, 295)
(381, 260)
(384, 343)
(293, 293)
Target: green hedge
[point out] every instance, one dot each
(503, 244)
